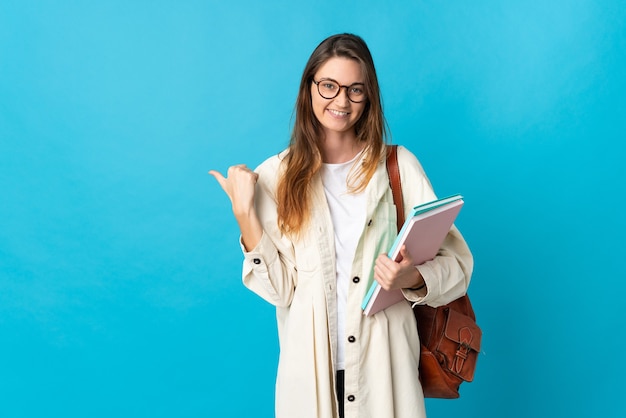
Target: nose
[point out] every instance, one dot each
(343, 95)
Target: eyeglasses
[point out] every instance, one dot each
(329, 89)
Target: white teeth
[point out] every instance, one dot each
(337, 113)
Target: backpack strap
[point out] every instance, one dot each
(396, 185)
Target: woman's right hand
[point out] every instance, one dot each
(239, 186)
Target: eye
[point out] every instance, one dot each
(329, 85)
(356, 90)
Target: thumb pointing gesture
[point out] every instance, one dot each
(219, 177)
(239, 186)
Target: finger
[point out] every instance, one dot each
(406, 256)
(242, 168)
(379, 277)
(384, 261)
(382, 267)
(384, 281)
(238, 168)
(219, 177)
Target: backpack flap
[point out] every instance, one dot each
(461, 344)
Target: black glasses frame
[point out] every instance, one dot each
(317, 83)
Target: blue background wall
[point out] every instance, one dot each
(120, 290)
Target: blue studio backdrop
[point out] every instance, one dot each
(120, 288)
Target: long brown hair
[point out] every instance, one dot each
(303, 159)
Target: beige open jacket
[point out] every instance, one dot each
(298, 277)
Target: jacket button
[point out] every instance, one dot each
(351, 339)
(356, 279)
(256, 261)
(351, 398)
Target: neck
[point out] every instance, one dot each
(337, 148)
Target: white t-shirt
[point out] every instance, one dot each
(347, 211)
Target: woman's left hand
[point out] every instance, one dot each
(397, 275)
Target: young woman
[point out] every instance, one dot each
(316, 221)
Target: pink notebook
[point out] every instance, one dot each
(423, 233)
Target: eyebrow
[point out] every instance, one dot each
(344, 85)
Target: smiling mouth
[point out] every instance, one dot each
(338, 113)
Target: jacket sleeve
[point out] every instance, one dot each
(269, 268)
(448, 275)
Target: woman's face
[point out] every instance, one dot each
(338, 115)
